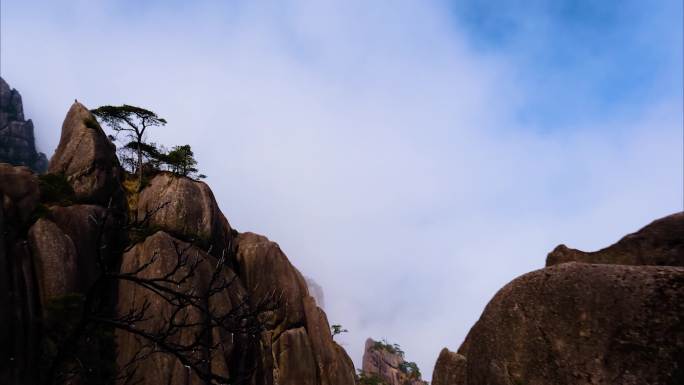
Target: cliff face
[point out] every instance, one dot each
(245, 309)
(385, 363)
(614, 318)
(17, 142)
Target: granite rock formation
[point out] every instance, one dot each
(383, 363)
(186, 208)
(54, 248)
(164, 368)
(87, 158)
(543, 328)
(449, 369)
(297, 327)
(19, 295)
(660, 243)
(614, 317)
(17, 141)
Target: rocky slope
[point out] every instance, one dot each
(59, 230)
(614, 318)
(17, 142)
(385, 363)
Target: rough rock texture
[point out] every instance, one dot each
(270, 278)
(78, 222)
(17, 142)
(87, 158)
(19, 192)
(449, 369)
(582, 324)
(385, 365)
(660, 243)
(163, 368)
(55, 258)
(186, 208)
(294, 358)
(263, 268)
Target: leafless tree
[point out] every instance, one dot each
(207, 329)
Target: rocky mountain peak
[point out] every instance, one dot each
(384, 363)
(17, 141)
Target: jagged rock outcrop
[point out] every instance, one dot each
(87, 158)
(660, 243)
(449, 369)
(582, 323)
(279, 290)
(185, 207)
(48, 251)
(17, 141)
(383, 362)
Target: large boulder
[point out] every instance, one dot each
(55, 258)
(449, 369)
(156, 257)
(19, 192)
(578, 323)
(17, 142)
(659, 243)
(87, 158)
(186, 208)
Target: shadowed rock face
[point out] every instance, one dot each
(17, 142)
(582, 323)
(186, 208)
(19, 190)
(449, 369)
(81, 223)
(55, 257)
(164, 368)
(87, 158)
(660, 243)
(19, 298)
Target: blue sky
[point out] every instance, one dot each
(413, 156)
(583, 58)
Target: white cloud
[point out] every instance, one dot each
(372, 144)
